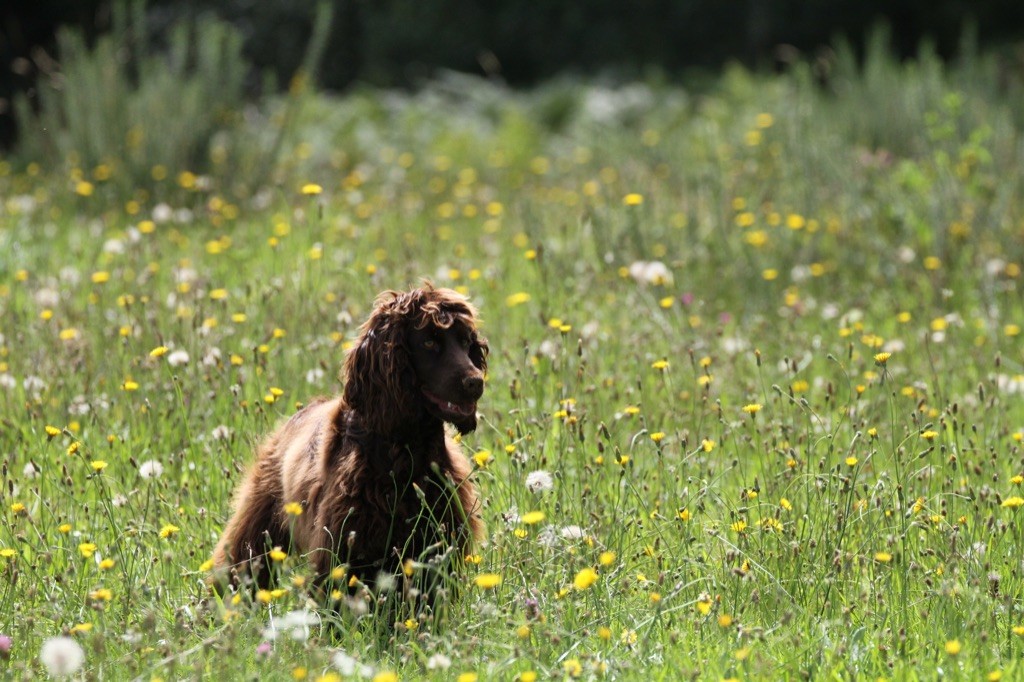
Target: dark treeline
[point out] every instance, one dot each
(398, 42)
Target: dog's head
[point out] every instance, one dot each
(418, 354)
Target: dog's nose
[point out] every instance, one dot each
(474, 385)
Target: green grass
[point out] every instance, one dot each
(852, 526)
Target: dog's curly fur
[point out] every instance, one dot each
(378, 479)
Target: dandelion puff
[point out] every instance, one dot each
(539, 481)
(221, 432)
(177, 358)
(439, 662)
(573, 533)
(62, 656)
(151, 469)
(314, 375)
(30, 471)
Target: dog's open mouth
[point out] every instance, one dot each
(451, 411)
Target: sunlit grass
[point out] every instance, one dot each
(754, 404)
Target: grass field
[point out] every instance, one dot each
(766, 340)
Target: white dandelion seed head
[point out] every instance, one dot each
(30, 471)
(177, 358)
(221, 432)
(314, 375)
(61, 656)
(573, 533)
(439, 662)
(539, 481)
(151, 469)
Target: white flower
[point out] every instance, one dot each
(295, 624)
(349, 667)
(177, 358)
(573, 533)
(30, 471)
(7, 381)
(212, 357)
(221, 432)
(653, 272)
(539, 481)
(439, 662)
(314, 375)
(62, 656)
(151, 469)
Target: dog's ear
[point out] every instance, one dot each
(377, 365)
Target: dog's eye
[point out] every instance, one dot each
(430, 344)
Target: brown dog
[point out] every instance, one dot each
(376, 478)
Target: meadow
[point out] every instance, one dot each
(755, 404)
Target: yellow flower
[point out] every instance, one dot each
(1018, 630)
(1013, 502)
(585, 578)
(882, 358)
(929, 434)
(17, 508)
(130, 385)
(883, 557)
(467, 677)
(482, 458)
(534, 517)
(786, 504)
(277, 554)
(87, 549)
(684, 514)
(385, 676)
(168, 530)
(953, 647)
(293, 509)
(517, 299)
(752, 408)
(633, 199)
(739, 526)
(52, 431)
(158, 351)
(98, 465)
(101, 594)
(488, 581)
(660, 364)
(218, 294)
(707, 445)
(8, 553)
(851, 461)
(606, 558)
(312, 189)
(703, 606)
(106, 564)
(724, 620)
(657, 436)
(573, 668)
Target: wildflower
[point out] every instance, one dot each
(882, 358)
(585, 578)
(633, 199)
(684, 514)
(17, 508)
(739, 526)
(52, 431)
(929, 434)
(631, 410)
(61, 656)
(385, 676)
(703, 606)
(1013, 502)
(168, 530)
(98, 465)
(158, 351)
(752, 408)
(278, 554)
(660, 365)
(707, 445)
(312, 189)
(724, 620)
(953, 647)
(1018, 630)
(151, 469)
(106, 564)
(439, 662)
(488, 581)
(467, 677)
(8, 553)
(482, 458)
(177, 358)
(293, 509)
(572, 667)
(539, 481)
(87, 549)
(658, 436)
(851, 461)
(101, 594)
(883, 557)
(517, 299)
(5, 646)
(531, 518)
(606, 558)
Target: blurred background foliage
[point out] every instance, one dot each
(209, 91)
